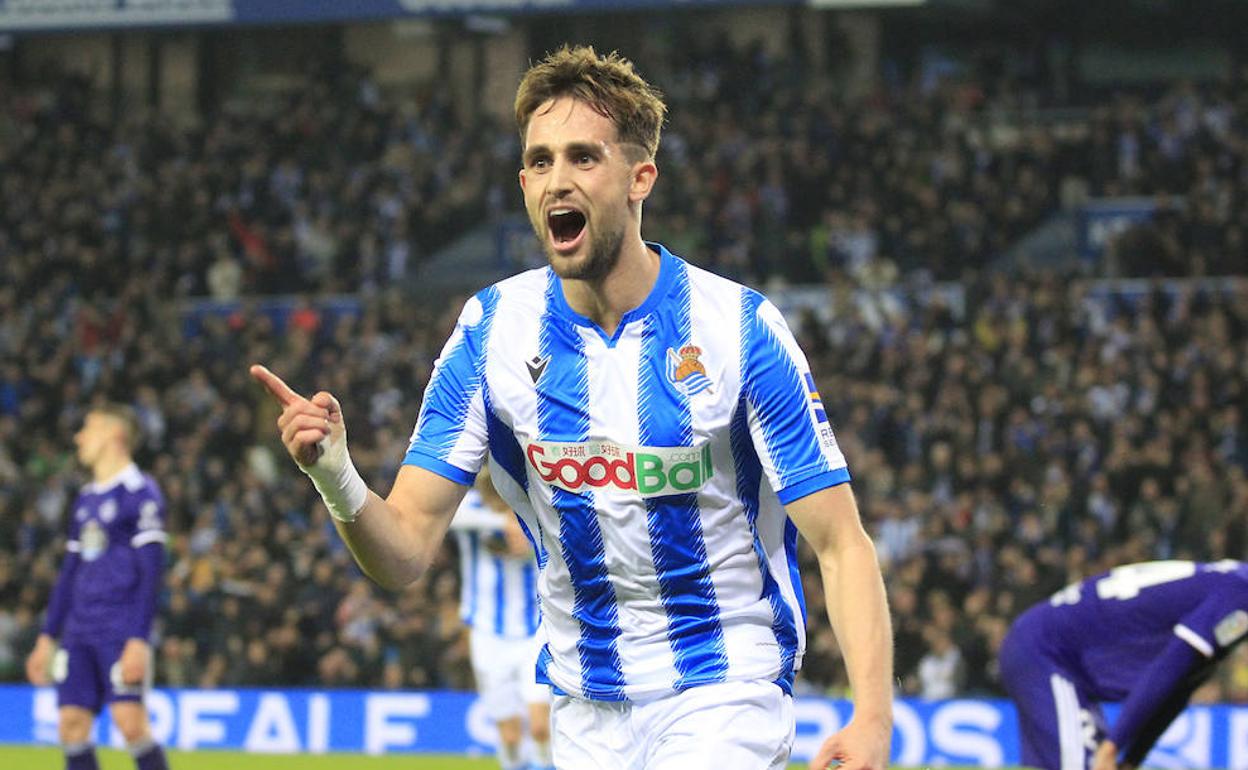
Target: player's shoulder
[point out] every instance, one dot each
(144, 491)
(1233, 572)
(703, 280)
(716, 291)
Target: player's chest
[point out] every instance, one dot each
(99, 525)
(642, 388)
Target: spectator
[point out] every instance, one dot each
(1042, 408)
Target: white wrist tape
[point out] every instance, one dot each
(340, 484)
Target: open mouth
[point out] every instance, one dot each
(566, 227)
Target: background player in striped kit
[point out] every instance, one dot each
(102, 607)
(498, 603)
(652, 426)
(1146, 635)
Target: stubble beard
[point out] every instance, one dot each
(604, 254)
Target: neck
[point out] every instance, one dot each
(109, 466)
(623, 289)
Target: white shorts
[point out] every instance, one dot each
(727, 726)
(506, 672)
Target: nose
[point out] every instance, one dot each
(560, 179)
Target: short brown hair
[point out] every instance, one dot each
(609, 84)
(127, 417)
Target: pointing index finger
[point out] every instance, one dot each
(280, 390)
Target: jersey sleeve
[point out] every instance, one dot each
(1217, 623)
(1201, 638)
(1162, 691)
(72, 542)
(450, 437)
(148, 517)
(59, 600)
(145, 518)
(788, 424)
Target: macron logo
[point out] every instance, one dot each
(537, 365)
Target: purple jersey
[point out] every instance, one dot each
(1143, 634)
(108, 593)
(1110, 627)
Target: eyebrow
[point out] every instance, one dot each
(571, 148)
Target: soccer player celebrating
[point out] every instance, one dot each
(657, 430)
(498, 603)
(102, 606)
(1146, 635)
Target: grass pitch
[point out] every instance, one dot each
(45, 758)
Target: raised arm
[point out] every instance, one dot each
(856, 605)
(394, 539)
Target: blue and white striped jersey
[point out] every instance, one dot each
(650, 469)
(498, 591)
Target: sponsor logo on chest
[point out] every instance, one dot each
(605, 466)
(94, 540)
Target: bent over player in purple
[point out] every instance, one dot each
(1146, 635)
(102, 607)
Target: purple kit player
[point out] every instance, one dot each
(101, 609)
(1146, 635)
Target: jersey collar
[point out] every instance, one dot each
(667, 275)
(130, 476)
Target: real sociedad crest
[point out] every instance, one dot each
(686, 372)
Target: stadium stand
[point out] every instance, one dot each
(1048, 425)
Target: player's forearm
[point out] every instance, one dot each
(1162, 691)
(858, 609)
(392, 549)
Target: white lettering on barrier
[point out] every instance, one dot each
(965, 731)
(825, 719)
(163, 716)
(1237, 740)
(1188, 742)
(44, 712)
(272, 728)
(909, 735)
(978, 742)
(318, 723)
(380, 733)
(480, 725)
(195, 728)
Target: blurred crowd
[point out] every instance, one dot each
(1050, 430)
(1046, 427)
(328, 188)
(769, 170)
(788, 176)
